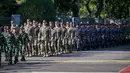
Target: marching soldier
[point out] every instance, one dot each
(5, 45)
(70, 37)
(23, 38)
(10, 44)
(67, 37)
(39, 39)
(35, 37)
(52, 39)
(42, 37)
(30, 34)
(73, 36)
(80, 37)
(63, 37)
(16, 44)
(58, 37)
(27, 29)
(12, 25)
(77, 37)
(45, 38)
(85, 38)
(2, 43)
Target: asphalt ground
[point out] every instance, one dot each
(107, 60)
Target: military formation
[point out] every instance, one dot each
(90, 37)
(37, 39)
(54, 38)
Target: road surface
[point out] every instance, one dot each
(104, 60)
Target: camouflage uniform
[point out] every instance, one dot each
(70, 36)
(2, 41)
(73, 38)
(10, 44)
(35, 40)
(23, 38)
(58, 38)
(45, 40)
(77, 38)
(30, 34)
(63, 37)
(5, 45)
(16, 45)
(52, 39)
(39, 40)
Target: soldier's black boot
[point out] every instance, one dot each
(10, 63)
(23, 58)
(16, 60)
(6, 59)
(10, 59)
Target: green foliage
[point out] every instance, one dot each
(53, 9)
(66, 7)
(38, 10)
(83, 13)
(118, 8)
(7, 7)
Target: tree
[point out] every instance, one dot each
(67, 7)
(37, 10)
(99, 9)
(117, 8)
(7, 7)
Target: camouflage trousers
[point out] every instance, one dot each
(35, 46)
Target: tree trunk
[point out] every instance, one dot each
(87, 6)
(99, 8)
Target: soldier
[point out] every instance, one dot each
(70, 36)
(35, 37)
(102, 36)
(39, 39)
(45, 38)
(94, 36)
(91, 35)
(86, 37)
(80, 35)
(30, 34)
(77, 37)
(5, 45)
(10, 44)
(27, 29)
(63, 37)
(42, 37)
(2, 43)
(23, 38)
(67, 37)
(52, 39)
(16, 44)
(107, 35)
(58, 37)
(12, 25)
(26, 26)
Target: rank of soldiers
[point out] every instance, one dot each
(54, 38)
(96, 36)
(37, 39)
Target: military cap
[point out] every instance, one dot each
(67, 22)
(21, 27)
(81, 23)
(5, 27)
(43, 21)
